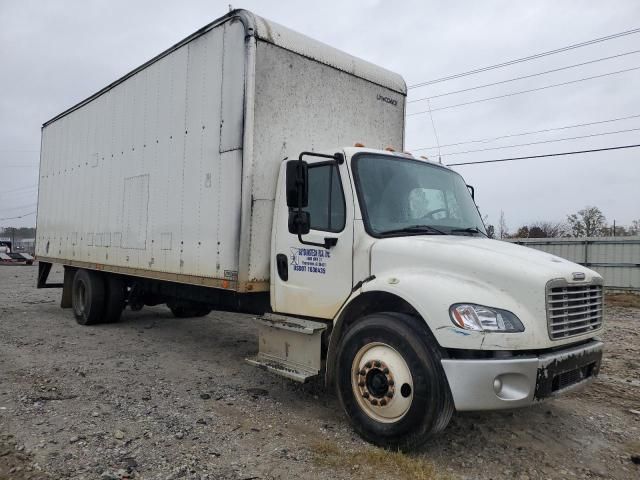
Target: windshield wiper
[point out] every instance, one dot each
(417, 229)
(469, 230)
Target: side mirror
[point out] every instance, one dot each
(297, 184)
(299, 222)
(473, 191)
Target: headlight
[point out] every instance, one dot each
(481, 318)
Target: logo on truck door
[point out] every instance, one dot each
(309, 260)
(389, 100)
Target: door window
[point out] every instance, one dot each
(326, 199)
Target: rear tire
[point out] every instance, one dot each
(87, 297)
(115, 299)
(390, 382)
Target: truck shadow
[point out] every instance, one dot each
(226, 339)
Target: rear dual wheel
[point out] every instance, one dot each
(96, 298)
(87, 297)
(390, 382)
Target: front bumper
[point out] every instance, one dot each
(493, 384)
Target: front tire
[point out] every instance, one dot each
(87, 297)
(390, 382)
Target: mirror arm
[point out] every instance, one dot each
(338, 157)
(328, 242)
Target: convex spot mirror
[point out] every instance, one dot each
(299, 222)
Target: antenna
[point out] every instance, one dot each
(434, 130)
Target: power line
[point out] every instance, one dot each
(19, 165)
(477, 87)
(521, 134)
(539, 142)
(21, 216)
(486, 99)
(18, 208)
(620, 147)
(525, 59)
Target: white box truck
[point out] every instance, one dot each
(222, 174)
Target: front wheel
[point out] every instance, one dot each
(390, 382)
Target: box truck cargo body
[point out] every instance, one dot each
(170, 172)
(250, 168)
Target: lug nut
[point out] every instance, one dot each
(362, 372)
(365, 394)
(390, 394)
(385, 370)
(391, 383)
(367, 365)
(377, 364)
(361, 383)
(383, 402)
(374, 401)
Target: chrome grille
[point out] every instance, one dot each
(573, 309)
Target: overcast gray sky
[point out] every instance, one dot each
(54, 54)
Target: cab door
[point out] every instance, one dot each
(312, 280)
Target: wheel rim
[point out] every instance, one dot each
(81, 295)
(382, 383)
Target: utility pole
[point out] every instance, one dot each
(614, 227)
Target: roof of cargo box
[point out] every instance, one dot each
(283, 37)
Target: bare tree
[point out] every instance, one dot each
(502, 227)
(545, 229)
(616, 230)
(588, 222)
(522, 232)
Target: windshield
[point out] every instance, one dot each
(399, 196)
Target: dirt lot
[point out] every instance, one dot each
(156, 397)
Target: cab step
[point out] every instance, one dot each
(289, 346)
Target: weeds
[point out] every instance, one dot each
(371, 460)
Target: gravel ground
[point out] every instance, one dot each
(157, 397)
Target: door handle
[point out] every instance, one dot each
(282, 264)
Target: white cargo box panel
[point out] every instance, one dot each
(170, 172)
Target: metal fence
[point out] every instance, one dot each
(617, 259)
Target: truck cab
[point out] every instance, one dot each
(424, 313)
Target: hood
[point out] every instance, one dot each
(434, 272)
(493, 261)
